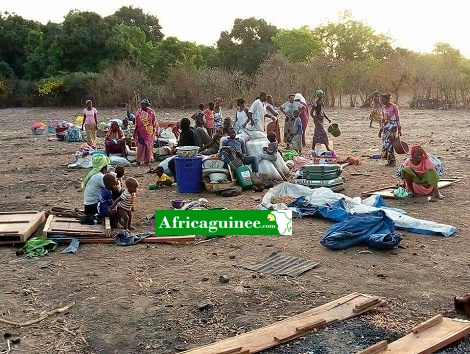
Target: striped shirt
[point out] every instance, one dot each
(127, 200)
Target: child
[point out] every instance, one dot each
(270, 151)
(124, 205)
(162, 178)
(119, 172)
(199, 115)
(297, 138)
(106, 199)
(209, 119)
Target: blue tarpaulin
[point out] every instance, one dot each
(375, 230)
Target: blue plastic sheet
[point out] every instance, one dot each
(334, 212)
(73, 247)
(375, 230)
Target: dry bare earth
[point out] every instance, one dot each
(143, 299)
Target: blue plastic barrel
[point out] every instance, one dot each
(188, 174)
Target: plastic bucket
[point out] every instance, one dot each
(333, 129)
(188, 174)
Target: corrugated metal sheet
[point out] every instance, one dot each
(283, 265)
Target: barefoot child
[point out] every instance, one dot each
(124, 205)
(297, 138)
(106, 199)
(162, 178)
(209, 119)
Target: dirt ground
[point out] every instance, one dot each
(143, 299)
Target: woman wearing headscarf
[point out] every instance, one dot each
(304, 114)
(93, 183)
(114, 142)
(272, 118)
(376, 114)
(420, 174)
(146, 128)
(90, 123)
(390, 127)
(288, 109)
(318, 114)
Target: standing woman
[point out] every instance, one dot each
(146, 128)
(241, 116)
(304, 114)
(288, 109)
(390, 127)
(90, 122)
(272, 119)
(318, 114)
(218, 119)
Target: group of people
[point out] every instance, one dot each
(104, 196)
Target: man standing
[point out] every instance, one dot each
(257, 112)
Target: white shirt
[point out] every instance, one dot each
(258, 111)
(93, 189)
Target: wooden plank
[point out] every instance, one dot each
(387, 192)
(310, 327)
(17, 227)
(72, 227)
(18, 212)
(47, 225)
(366, 304)
(427, 324)
(431, 339)
(107, 227)
(376, 348)
(270, 336)
(170, 239)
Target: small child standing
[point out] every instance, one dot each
(162, 178)
(209, 119)
(124, 205)
(119, 173)
(297, 139)
(270, 151)
(106, 199)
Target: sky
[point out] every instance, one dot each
(415, 25)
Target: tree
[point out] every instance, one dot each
(298, 44)
(82, 43)
(172, 52)
(247, 44)
(210, 56)
(135, 17)
(13, 38)
(350, 39)
(126, 42)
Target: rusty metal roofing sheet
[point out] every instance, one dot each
(283, 265)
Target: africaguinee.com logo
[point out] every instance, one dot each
(223, 222)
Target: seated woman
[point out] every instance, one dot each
(114, 142)
(420, 174)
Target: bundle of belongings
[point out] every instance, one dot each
(368, 221)
(320, 175)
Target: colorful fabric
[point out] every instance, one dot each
(304, 116)
(319, 134)
(422, 183)
(114, 147)
(318, 92)
(298, 126)
(98, 161)
(89, 115)
(437, 166)
(389, 125)
(90, 130)
(424, 165)
(209, 118)
(218, 119)
(146, 127)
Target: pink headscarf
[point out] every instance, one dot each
(424, 165)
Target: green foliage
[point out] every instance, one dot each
(247, 44)
(13, 36)
(135, 17)
(298, 44)
(83, 41)
(126, 42)
(6, 72)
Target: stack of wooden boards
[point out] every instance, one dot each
(17, 227)
(321, 175)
